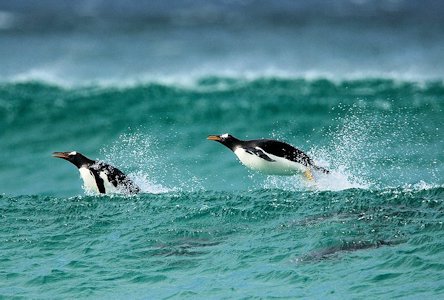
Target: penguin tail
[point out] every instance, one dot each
(321, 169)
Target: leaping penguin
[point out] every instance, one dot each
(99, 177)
(269, 156)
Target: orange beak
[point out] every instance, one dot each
(63, 155)
(213, 138)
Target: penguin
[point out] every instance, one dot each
(99, 177)
(270, 157)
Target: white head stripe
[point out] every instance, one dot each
(73, 153)
(225, 135)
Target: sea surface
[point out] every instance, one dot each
(357, 85)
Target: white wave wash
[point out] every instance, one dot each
(336, 180)
(55, 75)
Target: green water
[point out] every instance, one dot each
(357, 85)
(205, 226)
(263, 243)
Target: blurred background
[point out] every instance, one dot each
(83, 41)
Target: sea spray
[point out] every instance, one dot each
(343, 155)
(153, 172)
(358, 147)
(137, 151)
(370, 148)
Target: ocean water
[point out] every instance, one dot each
(357, 85)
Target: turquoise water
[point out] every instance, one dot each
(373, 133)
(207, 227)
(260, 243)
(357, 85)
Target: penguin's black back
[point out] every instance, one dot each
(281, 149)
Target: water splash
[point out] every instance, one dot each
(359, 145)
(343, 156)
(135, 151)
(336, 180)
(138, 152)
(147, 184)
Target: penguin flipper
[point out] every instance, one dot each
(99, 181)
(259, 153)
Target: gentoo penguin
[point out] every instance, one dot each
(99, 177)
(269, 156)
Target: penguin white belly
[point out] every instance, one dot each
(89, 182)
(279, 165)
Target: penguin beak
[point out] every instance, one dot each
(214, 138)
(64, 155)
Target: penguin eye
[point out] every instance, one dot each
(224, 136)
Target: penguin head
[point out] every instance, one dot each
(74, 157)
(225, 139)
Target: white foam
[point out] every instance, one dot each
(146, 185)
(56, 75)
(334, 181)
(421, 186)
(338, 181)
(48, 76)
